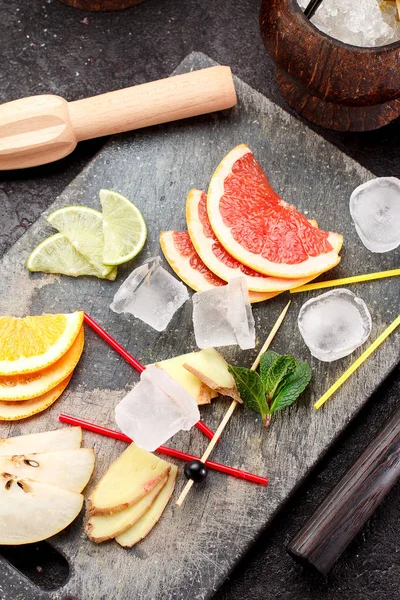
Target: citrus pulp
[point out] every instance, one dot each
(260, 229)
(57, 255)
(14, 411)
(17, 388)
(33, 343)
(83, 227)
(218, 260)
(182, 257)
(124, 228)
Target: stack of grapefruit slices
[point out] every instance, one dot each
(242, 227)
(37, 358)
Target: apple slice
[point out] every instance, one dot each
(100, 528)
(68, 469)
(60, 439)
(145, 524)
(133, 475)
(192, 384)
(31, 511)
(212, 369)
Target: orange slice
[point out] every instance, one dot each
(31, 344)
(17, 388)
(14, 411)
(218, 260)
(187, 264)
(260, 229)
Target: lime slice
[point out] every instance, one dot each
(83, 227)
(56, 254)
(124, 228)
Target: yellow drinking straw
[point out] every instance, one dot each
(345, 281)
(357, 363)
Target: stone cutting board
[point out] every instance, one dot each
(193, 548)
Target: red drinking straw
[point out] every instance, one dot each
(132, 361)
(164, 450)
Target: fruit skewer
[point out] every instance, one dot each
(238, 473)
(133, 362)
(234, 403)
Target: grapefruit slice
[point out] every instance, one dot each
(33, 343)
(17, 388)
(187, 264)
(218, 260)
(14, 411)
(260, 229)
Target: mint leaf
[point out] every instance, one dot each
(251, 389)
(279, 369)
(281, 381)
(266, 361)
(291, 387)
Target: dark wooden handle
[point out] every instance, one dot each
(351, 502)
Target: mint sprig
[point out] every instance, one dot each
(281, 381)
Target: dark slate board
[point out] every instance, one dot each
(193, 548)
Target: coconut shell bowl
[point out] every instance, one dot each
(332, 84)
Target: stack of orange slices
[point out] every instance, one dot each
(37, 357)
(242, 227)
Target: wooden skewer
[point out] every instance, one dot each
(233, 405)
(118, 435)
(398, 6)
(271, 335)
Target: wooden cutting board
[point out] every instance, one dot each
(193, 548)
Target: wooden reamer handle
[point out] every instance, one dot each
(42, 129)
(152, 103)
(351, 502)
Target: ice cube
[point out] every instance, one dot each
(151, 294)
(362, 23)
(155, 409)
(375, 210)
(240, 314)
(334, 324)
(222, 316)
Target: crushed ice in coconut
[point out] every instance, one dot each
(223, 316)
(375, 210)
(151, 294)
(363, 23)
(334, 324)
(156, 409)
